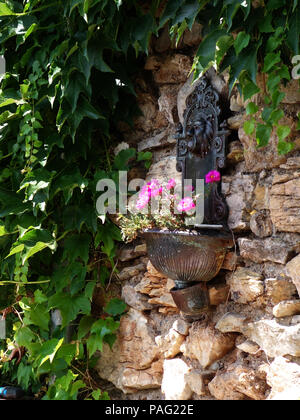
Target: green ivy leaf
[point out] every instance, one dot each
(270, 60)
(77, 246)
(251, 108)
(241, 42)
(122, 159)
(67, 183)
(274, 4)
(85, 325)
(283, 131)
(115, 307)
(207, 50)
(276, 115)
(263, 133)
(5, 10)
(170, 11)
(70, 307)
(285, 147)
(249, 127)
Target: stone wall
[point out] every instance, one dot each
(248, 346)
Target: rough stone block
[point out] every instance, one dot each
(174, 383)
(206, 344)
(245, 285)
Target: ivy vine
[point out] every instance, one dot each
(69, 81)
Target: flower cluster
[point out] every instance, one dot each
(154, 189)
(172, 209)
(151, 189)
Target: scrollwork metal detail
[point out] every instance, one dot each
(201, 145)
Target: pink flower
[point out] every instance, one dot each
(151, 189)
(186, 204)
(156, 192)
(212, 176)
(171, 184)
(142, 203)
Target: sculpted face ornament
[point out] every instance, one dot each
(194, 258)
(202, 134)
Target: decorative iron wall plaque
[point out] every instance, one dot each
(201, 147)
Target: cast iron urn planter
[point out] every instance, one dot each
(194, 257)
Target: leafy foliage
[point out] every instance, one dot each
(68, 82)
(67, 85)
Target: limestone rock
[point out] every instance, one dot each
(238, 383)
(279, 289)
(236, 152)
(164, 300)
(293, 269)
(134, 354)
(230, 261)
(150, 378)
(151, 118)
(273, 338)
(135, 299)
(137, 338)
(129, 252)
(239, 196)
(261, 224)
(193, 38)
(248, 346)
(172, 69)
(262, 250)
(231, 322)
(150, 285)
(287, 308)
(237, 121)
(167, 103)
(285, 205)
(206, 344)
(261, 197)
(164, 170)
(174, 383)
(181, 326)
(264, 157)
(129, 272)
(163, 43)
(292, 94)
(158, 289)
(218, 294)
(194, 379)
(292, 163)
(162, 139)
(153, 272)
(245, 285)
(289, 394)
(284, 376)
(170, 344)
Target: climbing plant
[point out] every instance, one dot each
(70, 67)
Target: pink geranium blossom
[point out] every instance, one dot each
(212, 176)
(186, 204)
(156, 192)
(171, 184)
(142, 203)
(151, 189)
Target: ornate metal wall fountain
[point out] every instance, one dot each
(194, 258)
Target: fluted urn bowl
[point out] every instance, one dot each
(188, 257)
